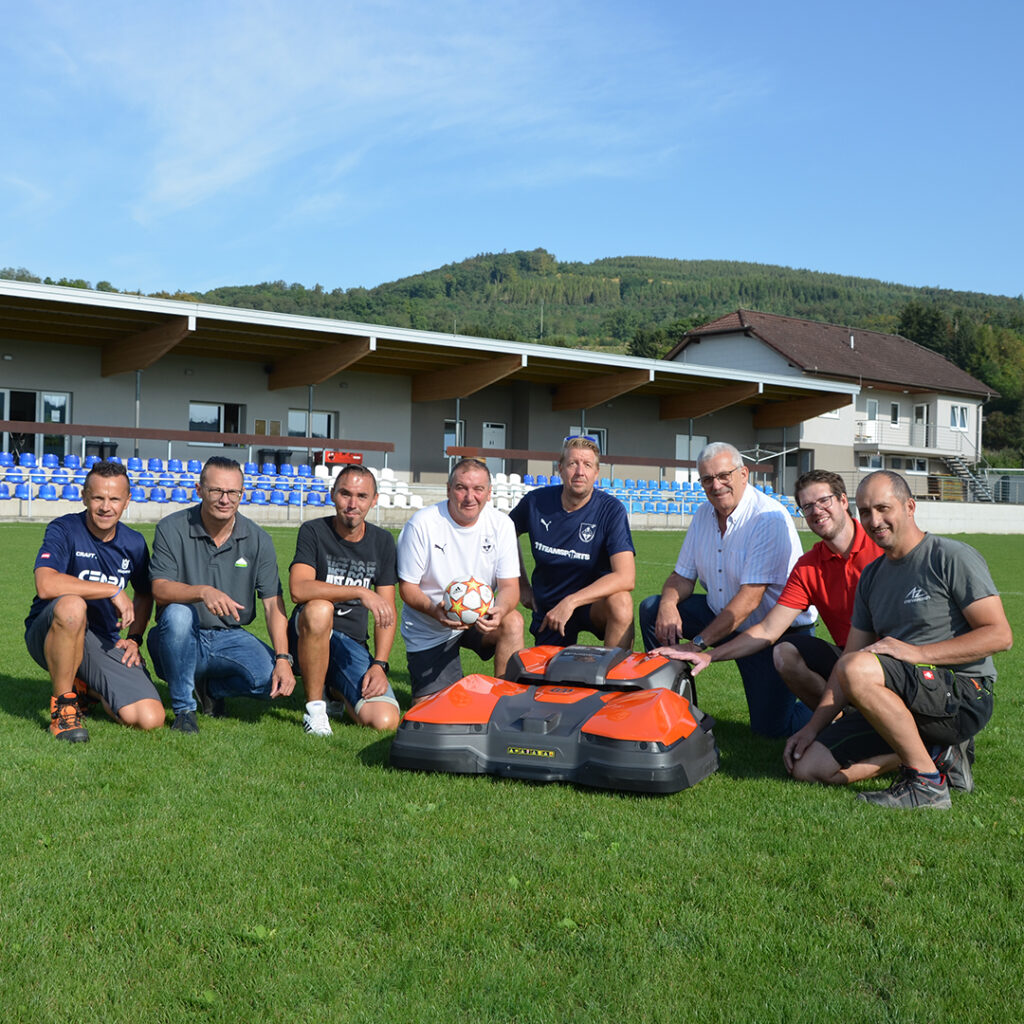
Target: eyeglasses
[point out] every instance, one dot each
(821, 505)
(219, 492)
(722, 478)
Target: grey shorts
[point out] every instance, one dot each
(430, 671)
(948, 708)
(101, 668)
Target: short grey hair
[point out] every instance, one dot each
(716, 448)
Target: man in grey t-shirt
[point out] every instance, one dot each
(918, 666)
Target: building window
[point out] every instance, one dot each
(894, 413)
(454, 435)
(323, 423)
(896, 462)
(867, 462)
(871, 407)
(958, 417)
(832, 414)
(215, 418)
(917, 465)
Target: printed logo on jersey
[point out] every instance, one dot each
(488, 544)
(241, 563)
(915, 595)
(440, 547)
(349, 573)
(85, 554)
(588, 531)
(95, 576)
(546, 523)
(125, 564)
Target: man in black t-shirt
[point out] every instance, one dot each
(343, 572)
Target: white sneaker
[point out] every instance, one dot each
(315, 720)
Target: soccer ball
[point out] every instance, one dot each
(465, 600)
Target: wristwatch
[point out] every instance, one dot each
(698, 641)
(383, 664)
(285, 657)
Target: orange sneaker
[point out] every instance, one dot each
(66, 719)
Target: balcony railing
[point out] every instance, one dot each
(915, 437)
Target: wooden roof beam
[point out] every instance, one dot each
(694, 404)
(142, 350)
(305, 368)
(796, 410)
(585, 394)
(462, 381)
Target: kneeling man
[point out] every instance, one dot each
(81, 605)
(343, 572)
(583, 553)
(918, 668)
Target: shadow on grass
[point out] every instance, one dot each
(744, 755)
(26, 698)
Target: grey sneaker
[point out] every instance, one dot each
(955, 764)
(315, 720)
(185, 721)
(911, 791)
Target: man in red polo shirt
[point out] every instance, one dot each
(826, 577)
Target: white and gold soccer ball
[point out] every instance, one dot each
(465, 600)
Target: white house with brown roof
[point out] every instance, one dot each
(916, 412)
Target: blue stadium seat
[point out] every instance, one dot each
(23, 491)
(528, 480)
(5, 492)
(138, 493)
(268, 469)
(605, 483)
(257, 497)
(250, 469)
(90, 461)
(72, 461)
(71, 492)
(155, 465)
(286, 469)
(180, 495)
(295, 497)
(6, 459)
(134, 465)
(47, 492)
(278, 498)
(158, 494)
(50, 461)
(674, 508)
(315, 498)
(661, 506)
(174, 465)
(542, 480)
(59, 477)
(27, 459)
(305, 469)
(194, 466)
(39, 477)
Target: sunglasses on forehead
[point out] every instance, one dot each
(579, 437)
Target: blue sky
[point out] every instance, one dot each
(191, 145)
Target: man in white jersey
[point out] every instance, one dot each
(463, 536)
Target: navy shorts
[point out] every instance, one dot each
(948, 709)
(579, 622)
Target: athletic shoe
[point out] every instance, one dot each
(336, 709)
(955, 764)
(185, 721)
(212, 707)
(315, 720)
(911, 791)
(66, 719)
(85, 702)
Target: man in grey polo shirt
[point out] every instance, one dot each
(209, 565)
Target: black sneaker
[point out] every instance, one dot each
(911, 791)
(212, 707)
(955, 764)
(185, 721)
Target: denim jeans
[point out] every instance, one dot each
(774, 710)
(232, 662)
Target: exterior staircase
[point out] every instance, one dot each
(977, 488)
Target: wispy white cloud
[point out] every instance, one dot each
(216, 97)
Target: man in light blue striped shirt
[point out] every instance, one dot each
(741, 546)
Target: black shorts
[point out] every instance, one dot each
(578, 622)
(430, 671)
(819, 655)
(948, 709)
(101, 669)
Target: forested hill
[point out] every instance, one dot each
(642, 305)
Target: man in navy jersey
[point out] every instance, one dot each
(73, 629)
(344, 571)
(585, 563)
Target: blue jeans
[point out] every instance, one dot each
(774, 710)
(232, 662)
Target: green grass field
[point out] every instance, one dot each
(253, 873)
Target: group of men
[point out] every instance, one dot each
(905, 683)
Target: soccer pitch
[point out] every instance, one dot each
(254, 873)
